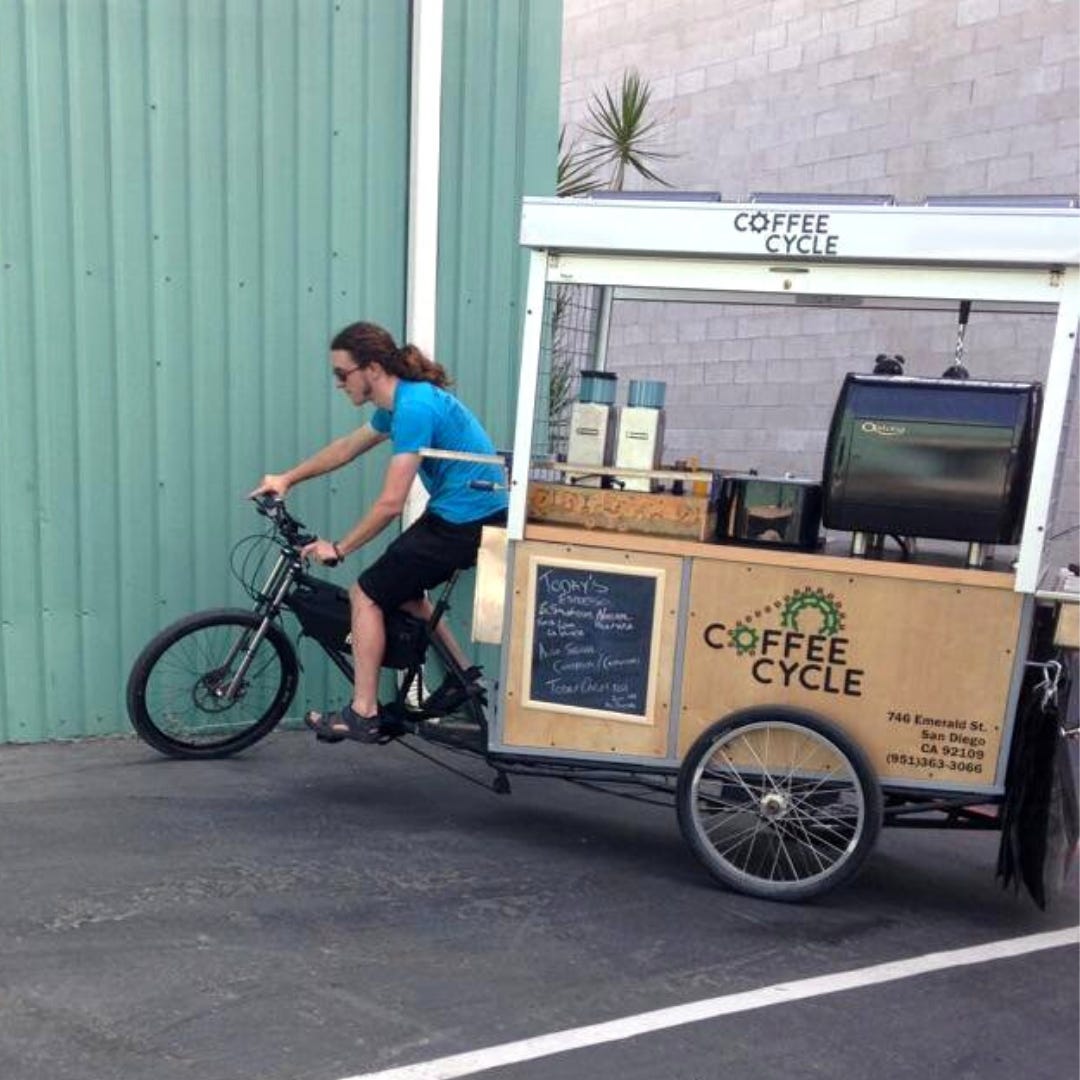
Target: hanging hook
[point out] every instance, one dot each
(1048, 686)
(956, 369)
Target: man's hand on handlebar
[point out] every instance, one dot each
(272, 484)
(322, 551)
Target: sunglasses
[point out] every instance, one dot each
(341, 375)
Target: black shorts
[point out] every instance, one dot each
(425, 555)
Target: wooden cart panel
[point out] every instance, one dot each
(917, 672)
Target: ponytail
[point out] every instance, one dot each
(413, 365)
(367, 343)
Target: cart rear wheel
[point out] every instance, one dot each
(778, 803)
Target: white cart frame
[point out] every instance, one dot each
(1000, 259)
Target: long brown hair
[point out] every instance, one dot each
(367, 343)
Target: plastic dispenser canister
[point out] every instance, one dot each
(641, 433)
(592, 426)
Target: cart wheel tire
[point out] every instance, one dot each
(778, 803)
(171, 697)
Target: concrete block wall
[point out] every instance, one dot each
(911, 97)
(904, 97)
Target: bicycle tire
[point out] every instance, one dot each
(163, 731)
(779, 837)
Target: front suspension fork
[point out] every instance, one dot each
(277, 586)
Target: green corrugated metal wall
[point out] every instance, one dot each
(193, 195)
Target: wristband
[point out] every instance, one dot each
(337, 551)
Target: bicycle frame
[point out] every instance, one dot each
(287, 573)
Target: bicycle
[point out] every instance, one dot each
(216, 682)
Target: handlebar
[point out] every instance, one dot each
(294, 531)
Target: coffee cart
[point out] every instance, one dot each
(789, 699)
(795, 699)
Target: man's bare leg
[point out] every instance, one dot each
(368, 645)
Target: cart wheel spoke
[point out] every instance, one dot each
(747, 834)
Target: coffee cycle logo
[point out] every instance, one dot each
(794, 642)
(788, 232)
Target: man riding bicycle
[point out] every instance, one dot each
(415, 411)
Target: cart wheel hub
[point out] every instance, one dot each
(773, 805)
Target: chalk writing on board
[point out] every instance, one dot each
(592, 635)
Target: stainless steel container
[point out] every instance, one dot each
(764, 511)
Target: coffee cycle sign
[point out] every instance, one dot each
(794, 641)
(789, 232)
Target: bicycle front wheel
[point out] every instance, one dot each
(203, 688)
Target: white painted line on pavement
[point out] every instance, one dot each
(492, 1057)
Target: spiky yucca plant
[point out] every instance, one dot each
(574, 176)
(622, 133)
(621, 136)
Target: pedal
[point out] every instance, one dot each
(451, 696)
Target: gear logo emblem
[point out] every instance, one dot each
(744, 639)
(826, 607)
(759, 222)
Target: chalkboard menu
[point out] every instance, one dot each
(592, 632)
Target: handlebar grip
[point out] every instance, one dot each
(267, 503)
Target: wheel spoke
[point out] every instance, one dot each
(837, 842)
(820, 782)
(805, 843)
(764, 764)
(739, 837)
(787, 855)
(822, 815)
(738, 776)
(776, 857)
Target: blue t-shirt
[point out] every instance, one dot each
(425, 417)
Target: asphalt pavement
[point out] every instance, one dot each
(318, 912)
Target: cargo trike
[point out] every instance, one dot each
(661, 633)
